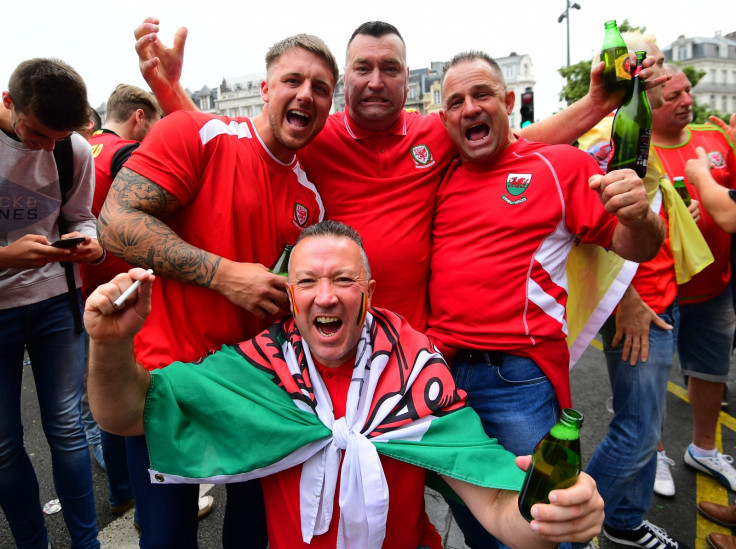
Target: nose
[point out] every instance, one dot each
(325, 294)
(470, 107)
(375, 80)
(305, 93)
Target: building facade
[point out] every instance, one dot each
(241, 96)
(717, 57)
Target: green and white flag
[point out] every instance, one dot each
(260, 407)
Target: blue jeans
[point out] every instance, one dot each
(116, 460)
(167, 513)
(56, 350)
(91, 429)
(517, 405)
(625, 463)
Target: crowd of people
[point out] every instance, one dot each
(325, 400)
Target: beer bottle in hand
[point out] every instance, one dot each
(632, 127)
(555, 462)
(616, 74)
(281, 267)
(682, 190)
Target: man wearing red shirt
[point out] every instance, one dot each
(507, 215)
(377, 166)
(299, 367)
(131, 113)
(209, 203)
(707, 321)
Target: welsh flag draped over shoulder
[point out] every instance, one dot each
(260, 407)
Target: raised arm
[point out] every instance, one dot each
(117, 385)
(574, 514)
(161, 66)
(640, 232)
(714, 198)
(131, 227)
(569, 124)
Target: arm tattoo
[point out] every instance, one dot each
(131, 227)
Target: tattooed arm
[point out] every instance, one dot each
(131, 226)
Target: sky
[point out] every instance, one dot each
(229, 38)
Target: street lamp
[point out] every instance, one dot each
(566, 15)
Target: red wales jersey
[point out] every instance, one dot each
(237, 201)
(712, 280)
(105, 144)
(502, 233)
(407, 524)
(383, 184)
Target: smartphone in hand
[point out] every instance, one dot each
(68, 242)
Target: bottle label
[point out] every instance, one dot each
(623, 67)
(642, 152)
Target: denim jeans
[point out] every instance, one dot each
(167, 513)
(625, 463)
(56, 350)
(517, 405)
(114, 451)
(91, 429)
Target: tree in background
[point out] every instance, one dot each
(578, 82)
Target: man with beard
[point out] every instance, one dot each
(209, 203)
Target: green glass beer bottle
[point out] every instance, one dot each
(632, 127)
(281, 267)
(616, 74)
(555, 462)
(681, 189)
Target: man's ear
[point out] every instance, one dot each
(7, 101)
(264, 90)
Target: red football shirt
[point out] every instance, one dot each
(383, 184)
(712, 280)
(502, 234)
(407, 525)
(237, 201)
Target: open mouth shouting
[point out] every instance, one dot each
(477, 132)
(298, 119)
(327, 326)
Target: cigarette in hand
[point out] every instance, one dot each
(127, 293)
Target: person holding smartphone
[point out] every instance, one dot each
(45, 102)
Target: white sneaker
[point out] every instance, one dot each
(718, 467)
(206, 504)
(664, 484)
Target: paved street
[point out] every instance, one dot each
(590, 391)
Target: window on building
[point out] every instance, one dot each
(724, 75)
(436, 97)
(712, 101)
(205, 103)
(412, 92)
(680, 53)
(244, 111)
(724, 103)
(713, 76)
(256, 110)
